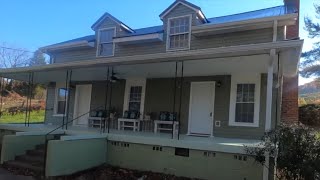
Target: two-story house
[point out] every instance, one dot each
(180, 98)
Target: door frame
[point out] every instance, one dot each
(190, 104)
(75, 108)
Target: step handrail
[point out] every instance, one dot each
(73, 120)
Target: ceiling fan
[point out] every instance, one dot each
(113, 77)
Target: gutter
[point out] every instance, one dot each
(161, 57)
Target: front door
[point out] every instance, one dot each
(201, 108)
(82, 104)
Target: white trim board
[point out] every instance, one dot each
(243, 79)
(168, 34)
(58, 86)
(135, 82)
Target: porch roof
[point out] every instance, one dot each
(217, 57)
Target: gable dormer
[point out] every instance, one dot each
(106, 28)
(178, 19)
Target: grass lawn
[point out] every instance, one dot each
(35, 117)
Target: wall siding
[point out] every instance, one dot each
(160, 97)
(49, 115)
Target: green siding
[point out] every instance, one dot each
(98, 96)
(159, 97)
(68, 157)
(49, 115)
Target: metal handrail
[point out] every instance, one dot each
(46, 136)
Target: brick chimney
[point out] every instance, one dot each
(289, 108)
(293, 31)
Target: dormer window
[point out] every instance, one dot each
(105, 42)
(179, 33)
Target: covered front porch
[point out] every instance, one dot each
(193, 97)
(220, 101)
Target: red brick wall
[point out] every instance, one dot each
(289, 108)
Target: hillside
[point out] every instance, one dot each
(310, 93)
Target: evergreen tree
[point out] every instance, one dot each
(311, 64)
(38, 59)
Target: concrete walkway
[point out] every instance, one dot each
(6, 175)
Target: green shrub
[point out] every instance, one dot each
(309, 115)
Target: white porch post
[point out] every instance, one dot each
(269, 101)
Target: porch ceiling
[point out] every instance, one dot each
(203, 67)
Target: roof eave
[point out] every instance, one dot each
(159, 57)
(66, 46)
(107, 15)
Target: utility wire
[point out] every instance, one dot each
(3, 47)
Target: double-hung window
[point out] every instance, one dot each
(245, 103)
(135, 98)
(245, 100)
(105, 42)
(61, 100)
(179, 33)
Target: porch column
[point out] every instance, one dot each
(27, 103)
(106, 102)
(65, 99)
(30, 96)
(68, 99)
(1, 97)
(269, 91)
(269, 108)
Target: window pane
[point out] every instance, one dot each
(63, 92)
(244, 112)
(179, 25)
(106, 35)
(106, 49)
(179, 41)
(135, 98)
(245, 92)
(61, 107)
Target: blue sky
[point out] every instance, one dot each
(35, 23)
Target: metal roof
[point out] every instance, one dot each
(263, 13)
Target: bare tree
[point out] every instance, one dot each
(11, 57)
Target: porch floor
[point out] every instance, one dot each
(218, 144)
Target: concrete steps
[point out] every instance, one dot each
(32, 161)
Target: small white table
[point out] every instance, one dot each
(96, 122)
(174, 127)
(133, 123)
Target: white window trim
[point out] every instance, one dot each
(134, 82)
(168, 34)
(55, 107)
(98, 41)
(244, 79)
